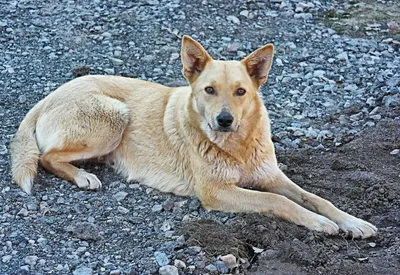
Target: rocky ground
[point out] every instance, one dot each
(334, 101)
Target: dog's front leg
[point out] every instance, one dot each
(281, 184)
(231, 198)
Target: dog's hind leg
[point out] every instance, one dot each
(90, 128)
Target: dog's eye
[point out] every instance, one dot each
(240, 91)
(209, 90)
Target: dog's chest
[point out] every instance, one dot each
(255, 174)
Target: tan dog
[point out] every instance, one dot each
(209, 139)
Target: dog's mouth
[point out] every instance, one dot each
(221, 129)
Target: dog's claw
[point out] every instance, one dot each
(88, 181)
(327, 226)
(358, 228)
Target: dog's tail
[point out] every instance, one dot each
(25, 151)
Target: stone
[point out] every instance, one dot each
(157, 208)
(83, 271)
(161, 258)
(230, 260)
(211, 268)
(233, 19)
(168, 270)
(179, 264)
(120, 196)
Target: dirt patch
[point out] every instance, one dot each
(361, 178)
(366, 18)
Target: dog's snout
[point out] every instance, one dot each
(225, 119)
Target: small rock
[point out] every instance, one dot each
(31, 260)
(193, 250)
(304, 16)
(391, 100)
(372, 244)
(3, 150)
(221, 266)
(84, 231)
(116, 61)
(115, 272)
(211, 268)
(81, 71)
(123, 210)
(109, 71)
(395, 152)
(167, 225)
(319, 73)
(357, 116)
(157, 208)
(168, 270)
(233, 19)
(244, 13)
(22, 99)
(376, 117)
(83, 271)
(23, 212)
(6, 259)
(161, 258)
(279, 62)
(230, 260)
(343, 57)
(179, 264)
(174, 56)
(119, 196)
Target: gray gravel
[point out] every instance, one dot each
(324, 88)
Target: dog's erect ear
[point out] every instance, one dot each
(194, 58)
(258, 63)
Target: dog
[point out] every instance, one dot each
(210, 139)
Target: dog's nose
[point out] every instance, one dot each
(225, 119)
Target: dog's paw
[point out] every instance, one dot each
(357, 228)
(87, 181)
(322, 224)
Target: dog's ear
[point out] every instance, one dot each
(194, 58)
(258, 63)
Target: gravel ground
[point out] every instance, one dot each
(324, 90)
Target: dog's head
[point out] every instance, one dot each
(224, 92)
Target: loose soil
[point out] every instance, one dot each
(361, 178)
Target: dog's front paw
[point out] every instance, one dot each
(358, 228)
(322, 224)
(87, 181)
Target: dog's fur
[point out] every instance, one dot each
(170, 139)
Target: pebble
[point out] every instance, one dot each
(395, 152)
(157, 208)
(22, 99)
(83, 271)
(230, 260)
(222, 267)
(168, 270)
(342, 57)
(161, 258)
(193, 250)
(211, 268)
(179, 264)
(31, 260)
(84, 231)
(6, 259)
(23, 212)
(120, 196)
(123, 210)
(233, 19)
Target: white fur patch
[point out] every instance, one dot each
(26, 184)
